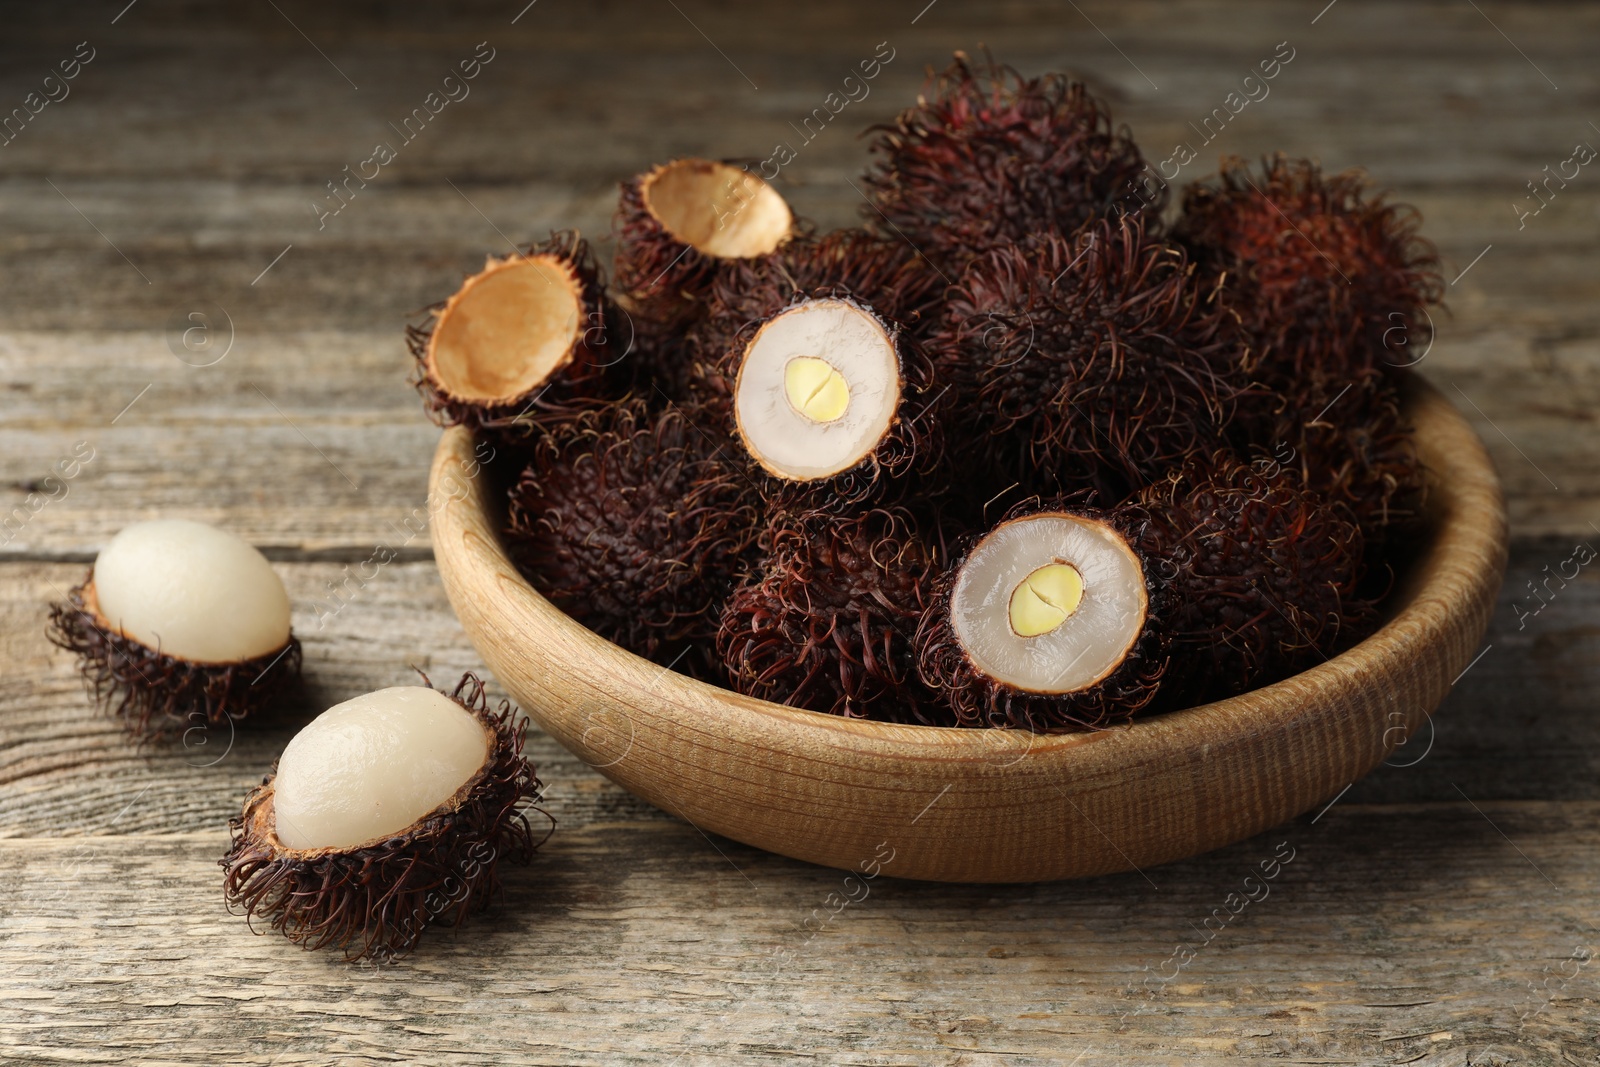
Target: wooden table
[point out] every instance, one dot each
(1442, 911)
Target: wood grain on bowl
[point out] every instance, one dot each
(988, 805)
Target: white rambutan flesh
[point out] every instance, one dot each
(373, 766)
(191, 591)
(1049, 603)
(818, 389)
(717, 209)
(507, 329)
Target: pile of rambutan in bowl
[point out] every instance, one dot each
(1031, 530)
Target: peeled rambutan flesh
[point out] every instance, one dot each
(1264, 575)
(826, 622)
(388, 813)
(988, 159)
(637, 523)
(1324, 277)
(1046, 623)
(180, 627)
(678, 224)
(1089, 362)
(526, 340)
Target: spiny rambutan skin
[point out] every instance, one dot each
(635, 523)
(1324, 277)
(156, 695)
(1094, 361)
(374, 901)
(975, 699)
(597, 373)
(827, 621)
(1262, 575)
(988, 159)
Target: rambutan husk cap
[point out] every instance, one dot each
(988, 159)
(826, 623)
(977, 699)
(530, 339)
(1324, 277)
(155, 694)
(637, 523)
(375, 899)
(679, 224)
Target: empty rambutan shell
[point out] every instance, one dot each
(827, 620)
(526, 340)
(679, 223)
(179, 627)
(1091, 361)
(637, 523)
(1325, 277)
(1046, 623)
(385, 815)
(987, 159)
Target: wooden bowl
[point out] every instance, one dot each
(988, 805)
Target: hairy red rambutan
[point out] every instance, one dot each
(636, 523)
(1090, 361)
(826, 622)
(678, 224)
(1324, 277)
(988, 159)
(526, 341)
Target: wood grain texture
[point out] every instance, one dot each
(1407, 929)
(984, 805)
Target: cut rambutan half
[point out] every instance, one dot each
(387, 814)
(1264, 575)
(180, 627)
(826, 623)
(637, 524)
(821, 401)
(1045, 624)
(524, 341)
(1324, 277)
(1090, 361)
(988, 159)
(679, 223)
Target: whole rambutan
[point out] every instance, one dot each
(525, 341)
(988, 159)
(1089, 361)
(1263, 574)
(636, 523)
(678, 224)
(387, 814)
(1324, 277)
(826, 622)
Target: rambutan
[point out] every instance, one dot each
(385, 815)
(987, 159)
(1324, 277)
(826, 622)
(180, 627)
(636, 523)
(680, 223)
(525, 341)
(1090, 361)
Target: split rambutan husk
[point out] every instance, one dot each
(155, 694)
(679, 224)
(637, 524)
(826, 623)
(1112, 693)
(527, 341)
(374, 900)
(1263, 572)
(1325, 277)
(987, 159)
(1091, 361)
